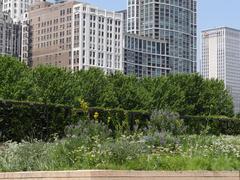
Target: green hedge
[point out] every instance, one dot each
(195, 124)
(29, 120)
(119, 118)
(23, 120)
(212, 125)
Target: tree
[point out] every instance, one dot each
(90, 85)
(13, 82)
(51, 85)
(187, 94)
(130, 92)
(168, 94)
(215, 99)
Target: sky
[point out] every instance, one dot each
(211, 13)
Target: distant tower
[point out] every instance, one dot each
(10, 35)
(220, 59)
(173, 23)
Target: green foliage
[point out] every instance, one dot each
(87, 129)
(12, 159)
(13, 84)
(167, 94)
(186, 94)
(28, 120)
(23, 120)
(165, 121)
(90, 85)
(212, 125)
(126, 152)
(51, 85)
(119, 120)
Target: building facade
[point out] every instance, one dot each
(47, 34)
(72, 35)
(97, 38)
(133, 16)
(173, 22)
(10, 35)
(145, 56)
(124, 14)
(221, 59)
(16, 8)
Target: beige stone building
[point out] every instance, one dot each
(72, 35)
(47, 34)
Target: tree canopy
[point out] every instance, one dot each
(183, 93)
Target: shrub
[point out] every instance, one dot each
(119, 120)
(17, 156)
(24, 120)
(165, 121)
(28, 120)
(214, 125)
(88, 129)
(123, 149)
(114, 118)
(162, 139)
(126, 152)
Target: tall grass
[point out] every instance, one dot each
(126, 152)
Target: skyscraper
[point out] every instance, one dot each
(133, 16)
(16, 8)
(97, 38)
(47, 34)
(170, 21)
(10, 35)
(221, 59)
(124, 14)
(72, 35)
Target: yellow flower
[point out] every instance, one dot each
(109, 119)
(96, 115)
(84, 106)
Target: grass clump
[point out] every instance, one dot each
(91, 145)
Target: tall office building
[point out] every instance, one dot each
(10, 35)
(170, 21)
(124, 14)
(47, 34)
(221, 59)
(72, 35)
(97, 38)
(133, 16)
(16, 8)
(144, 56)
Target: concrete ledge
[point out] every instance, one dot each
(120, 175)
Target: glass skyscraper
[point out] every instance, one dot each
(170, 21)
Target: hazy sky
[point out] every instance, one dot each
(211, 13)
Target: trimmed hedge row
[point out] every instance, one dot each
(212, 125)
(195, 124)
(23, 120)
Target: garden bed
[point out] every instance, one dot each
(135, 152)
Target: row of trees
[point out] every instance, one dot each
(182, 93)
